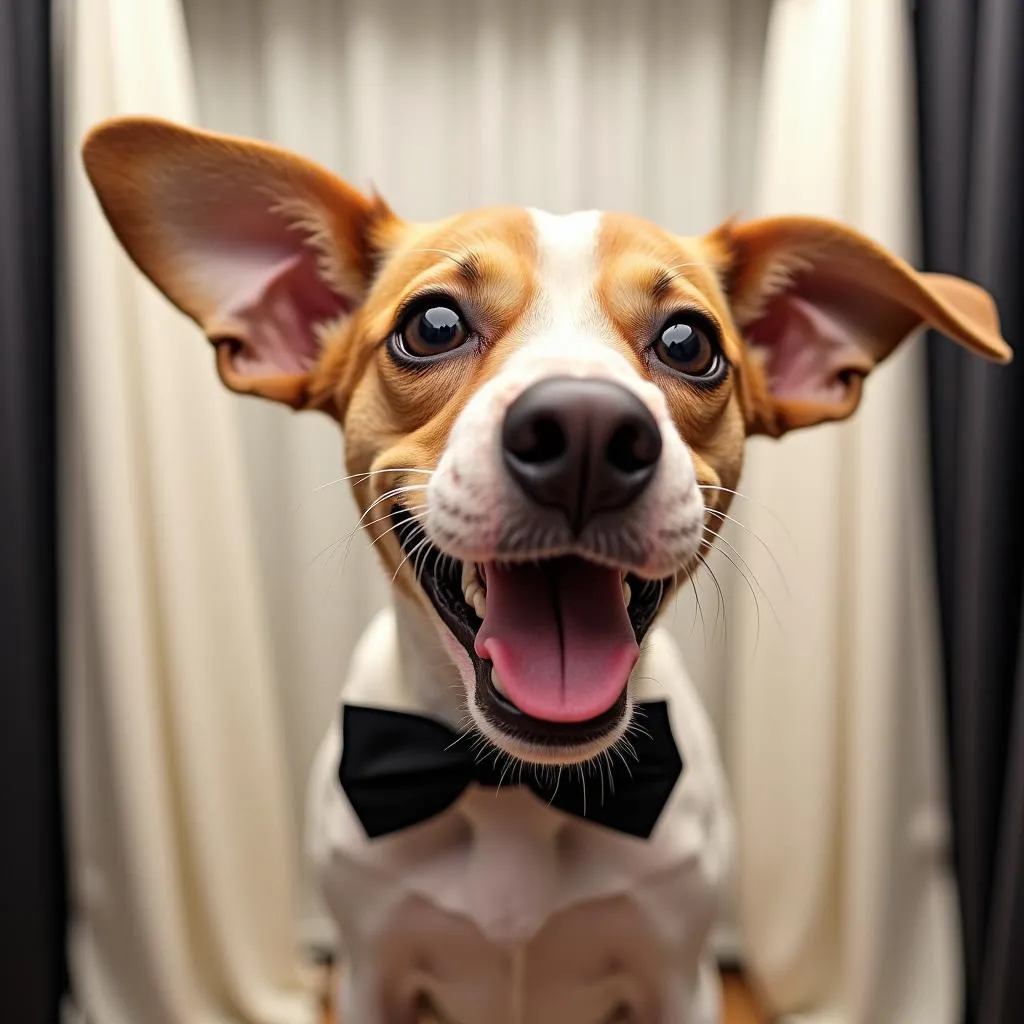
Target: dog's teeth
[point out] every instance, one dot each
(473, 588)
(627, 593)
(496, 682)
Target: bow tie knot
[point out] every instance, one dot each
(399, 769)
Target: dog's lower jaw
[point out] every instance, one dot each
(436, 669)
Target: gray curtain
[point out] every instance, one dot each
(971, 89)
(31, 864)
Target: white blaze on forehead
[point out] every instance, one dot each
(568, 332)
(567, 266)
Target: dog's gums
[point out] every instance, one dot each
(551, 670)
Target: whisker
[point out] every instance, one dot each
(380, 536)
(700, 610)
(420, 544)
(721, 598)
(393, 493)
(359, 478)
(752, 574)
(758, 538)
(753, 501)
(454, 257)
(558, 782)
(606, 761)
(629, 746)
(348, 546)
(373, 472)
(746, 565)
(508, 763)
(625, 764)
(671, 272)
(418, 568)
(348, 536)
(753, 595)
(635, 727)
(650, 679)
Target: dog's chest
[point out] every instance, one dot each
(504, 910)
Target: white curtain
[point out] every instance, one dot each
(180, 860)
(846, 899)
(818, 674)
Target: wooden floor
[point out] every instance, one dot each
(740, 1005)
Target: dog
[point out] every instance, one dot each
(519, 814)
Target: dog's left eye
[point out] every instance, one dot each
(432, 330)
(685, 345)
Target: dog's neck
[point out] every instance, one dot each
(429, 675)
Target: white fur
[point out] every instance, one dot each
(565, 333)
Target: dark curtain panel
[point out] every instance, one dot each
(971, 92)
(31, 863)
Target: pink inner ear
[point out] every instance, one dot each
(810, 348)
(277, 305)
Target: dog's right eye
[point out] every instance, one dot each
(432, 330)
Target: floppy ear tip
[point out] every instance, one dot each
(998, 351)
(977, 312)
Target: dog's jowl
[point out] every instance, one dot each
(518, 813)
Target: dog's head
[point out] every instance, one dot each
(542, 413)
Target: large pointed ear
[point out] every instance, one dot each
(260, 247)
(819, 305)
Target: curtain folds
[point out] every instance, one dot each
(180, 864)
(31, 889)
(971, 96)
(194, 712)
(846, 900)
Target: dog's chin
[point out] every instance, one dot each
(530, 722)
(572, 750)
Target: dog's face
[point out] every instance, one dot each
(544, 416)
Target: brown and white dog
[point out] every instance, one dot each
(543, 418)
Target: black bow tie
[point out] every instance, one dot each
(399, 769)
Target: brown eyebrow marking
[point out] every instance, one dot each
(662, 283)
(664, 278)
(468, 264)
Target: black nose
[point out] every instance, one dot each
(580, 446)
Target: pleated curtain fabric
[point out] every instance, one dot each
(181, 861)
(847, 903)
(31, 860)
(970, 59)
(822, 682)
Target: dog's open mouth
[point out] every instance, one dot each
(552, 642)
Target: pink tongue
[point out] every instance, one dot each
(559, 637)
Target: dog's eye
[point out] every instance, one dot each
(684, 345)
(432, 331)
